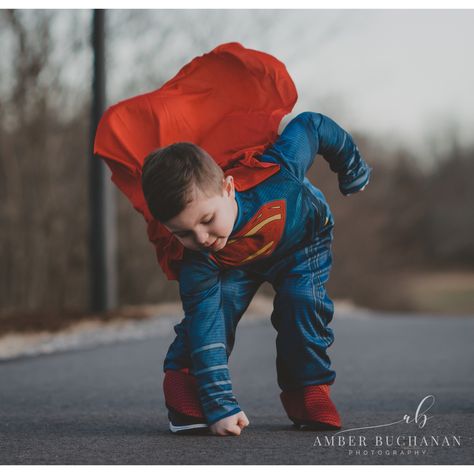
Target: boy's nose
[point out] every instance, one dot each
(203, 239)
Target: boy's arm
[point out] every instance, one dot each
(200, 290)
(309, 134)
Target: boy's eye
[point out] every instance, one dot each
(186, 234)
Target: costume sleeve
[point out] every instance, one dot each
(309, 134)
(201, 295)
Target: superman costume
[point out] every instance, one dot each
(282, 235)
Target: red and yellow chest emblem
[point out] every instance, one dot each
(257, 239)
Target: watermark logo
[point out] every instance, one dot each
(391, 445)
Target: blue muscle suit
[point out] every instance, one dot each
(282, 235)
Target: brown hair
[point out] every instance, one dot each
(170, 175)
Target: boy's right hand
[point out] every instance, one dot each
(231, 425)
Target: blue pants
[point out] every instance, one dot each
(301, 314)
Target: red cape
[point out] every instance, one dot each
(229, 102)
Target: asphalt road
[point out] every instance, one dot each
(105, 405)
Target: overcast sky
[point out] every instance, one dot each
(405, 76)
(399, 73)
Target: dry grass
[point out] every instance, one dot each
(448, 292)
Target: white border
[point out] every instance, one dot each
(243, 4)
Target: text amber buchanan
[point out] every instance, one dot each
(388, 441)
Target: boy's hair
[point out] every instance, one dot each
(172, 173)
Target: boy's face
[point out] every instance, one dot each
(206, 222)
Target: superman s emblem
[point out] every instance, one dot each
(257, 239)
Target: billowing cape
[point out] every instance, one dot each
(229, 101)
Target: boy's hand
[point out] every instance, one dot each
(360, 190)
(231, 425)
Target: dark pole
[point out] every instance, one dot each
(102, 234)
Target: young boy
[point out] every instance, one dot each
(250, 218)
(279, 231)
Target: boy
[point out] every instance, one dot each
(278, 231)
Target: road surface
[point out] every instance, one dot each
(105, 405)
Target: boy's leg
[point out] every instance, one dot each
(302, 313)
(180, 387)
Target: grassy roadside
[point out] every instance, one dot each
(55, 321)
(436, 293)
(449, 293)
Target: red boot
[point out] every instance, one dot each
(182, 400)
(311, 407)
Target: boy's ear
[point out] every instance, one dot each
(228, 183)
